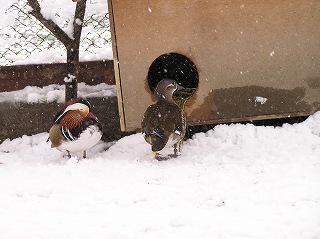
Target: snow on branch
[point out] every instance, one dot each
(49, 24)
(72, 43)
(55, 29)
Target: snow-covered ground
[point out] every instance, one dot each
(236, 181)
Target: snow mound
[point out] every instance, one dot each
(235, 181)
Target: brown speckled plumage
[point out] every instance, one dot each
(164, 121)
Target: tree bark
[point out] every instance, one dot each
(71, 81)
(72, 44)
(73, 52)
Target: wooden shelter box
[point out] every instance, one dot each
(242, 60)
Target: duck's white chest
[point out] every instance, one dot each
(87, 139)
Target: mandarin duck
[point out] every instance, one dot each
(75, 128)
(164, 123)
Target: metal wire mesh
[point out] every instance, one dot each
(27, 35)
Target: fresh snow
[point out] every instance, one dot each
(235, 181)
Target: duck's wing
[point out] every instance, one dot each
(72, 130)
(160, 122)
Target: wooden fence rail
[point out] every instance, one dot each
(17, 77)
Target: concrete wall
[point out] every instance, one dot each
(19, 119)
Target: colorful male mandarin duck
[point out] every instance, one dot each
(164, 122)
(75, 127)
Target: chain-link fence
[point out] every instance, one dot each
(26, 35)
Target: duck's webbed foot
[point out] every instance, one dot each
(158, 156)
(68, 154)
(175, 151)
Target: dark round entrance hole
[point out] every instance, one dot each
(177, 67)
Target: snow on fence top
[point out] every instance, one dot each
(24, 40)
(55, 93)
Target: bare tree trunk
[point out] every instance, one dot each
(73, 52)
(71, 81)
(72, 44)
